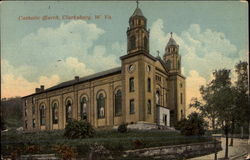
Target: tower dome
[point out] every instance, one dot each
(137, 12)
(172, 42)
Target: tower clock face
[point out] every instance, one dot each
(131, 68)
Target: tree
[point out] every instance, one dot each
(78, 129)
(218, 101)
(242, 94)
(193, 126)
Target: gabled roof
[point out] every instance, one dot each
(81, 80)
(162, 63)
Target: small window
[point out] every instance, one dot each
(149, 106)
(133, 42)
(25, 112)
(131, 85)
(118, 103)
(132, 106)
(42, 115)
(33, 109)
(149, 85)
(169, 64)
(181, 98)
(33, 123)
(145, 43)
(26, 124)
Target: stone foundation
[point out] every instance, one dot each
(176, 151)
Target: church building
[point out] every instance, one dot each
(144, 89)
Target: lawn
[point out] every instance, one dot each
(111, 139)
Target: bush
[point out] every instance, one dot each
(66, 152)
(193, 126)
(180, 124)
(78, 129)
(122, 128)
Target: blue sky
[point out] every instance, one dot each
(211, 35)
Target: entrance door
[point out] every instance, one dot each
(165, 119)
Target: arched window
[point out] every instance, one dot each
(25, 112)
(26, 124)
(33, 123)
(149, 85)
(33, 109)
(131, 85)
(157, 97)
(149, 106)
(132, 42)
(132, 106)
(145, 43)
(169, 64)
(181, 98)
(101, 106)
(182, 115)
(118, 103)
(69, 113)
(42, 115)
(83, 108)
(55, 113)
(179, 64)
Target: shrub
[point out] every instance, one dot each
(78, 129)
(122, 128)
(194, 125)
(138, 143)
(66, 152)
(180, 124)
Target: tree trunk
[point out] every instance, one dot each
(232, 135)
(241, 132)
(213, 123)
(226, 148)
(249, 136)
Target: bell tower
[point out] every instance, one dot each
(171, 56)
(137, 33)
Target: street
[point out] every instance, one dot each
(236, 152)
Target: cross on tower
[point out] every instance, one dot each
(137, 3)
(171, 34)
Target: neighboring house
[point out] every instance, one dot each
(145, 88)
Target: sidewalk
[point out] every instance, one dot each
(240, 147)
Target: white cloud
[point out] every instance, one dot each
(69, 67)
(18, 86)
(203, 51)
(15, 84)
(193, 83)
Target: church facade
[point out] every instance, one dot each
(144, 89)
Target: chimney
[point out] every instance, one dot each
(42, 88)
(77, 78)
(37, 90)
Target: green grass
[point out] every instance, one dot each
(110, 139)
